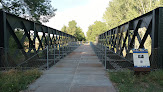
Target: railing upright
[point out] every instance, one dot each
(47, 57)
(54, 54)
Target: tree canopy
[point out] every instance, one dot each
(35, 10)
(72, 29)
(119, 12)
(94, 30)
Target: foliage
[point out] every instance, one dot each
(64, 28)
(72, 29)
(15, 80)
(35, 10)
(126, 81)
(121, 11)
(19, 33)
(94, 30)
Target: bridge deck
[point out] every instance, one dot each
(80, 71)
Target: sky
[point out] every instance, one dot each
(84, 12)
(0, 5)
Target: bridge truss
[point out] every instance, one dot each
(145, 31)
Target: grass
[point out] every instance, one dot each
(16, 80)
(126, 81)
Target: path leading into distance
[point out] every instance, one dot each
(80, 71)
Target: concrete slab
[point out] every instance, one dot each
(91, 80)
(68, 61)
(52, 87)
(67, 65)
(90, 71)
(56, 78)
(71, 58)
(90, 65)
(80, 71)
(79, 88)
(61, 70)
(89, 61)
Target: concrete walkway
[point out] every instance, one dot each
(80, 71)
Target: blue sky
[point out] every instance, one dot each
(84, 12)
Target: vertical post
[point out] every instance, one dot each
(2, 29)
(34, 38)
(66, 43)
(105, 56)
(54, 54)
(160, 39)
(47, 58)
(69, 43)
(103, 49)
(154, 39)
(62, 45)
(67, 48)
(157, 38)
(4, 35)
(59, 51)
(59, 43)
(48, 40)
(56, 39)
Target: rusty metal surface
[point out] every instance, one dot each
(140, 69)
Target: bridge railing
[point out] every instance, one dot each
(145, 31)
(21, 38)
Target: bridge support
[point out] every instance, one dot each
(122, 39)
(157, 38)
(21, 39)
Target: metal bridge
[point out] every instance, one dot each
(114, 47)
(27, 44)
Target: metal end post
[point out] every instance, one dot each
(54, 54)
(105, 57)
(47, 58)
(59, 51)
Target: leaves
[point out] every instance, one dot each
(121, 11)
(72, 29)
(94, 30)
(35, 10)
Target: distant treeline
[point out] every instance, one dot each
(119, 12)
(72, 29)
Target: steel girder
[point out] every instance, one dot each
(34, 33)
(122, 39)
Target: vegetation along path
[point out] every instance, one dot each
(80, 71)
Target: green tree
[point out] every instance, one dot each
(79, 34)
(35, 10)
(94, 30)
(72, 29)
(121, 11)
(64, 29)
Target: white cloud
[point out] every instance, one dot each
(83, 15)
